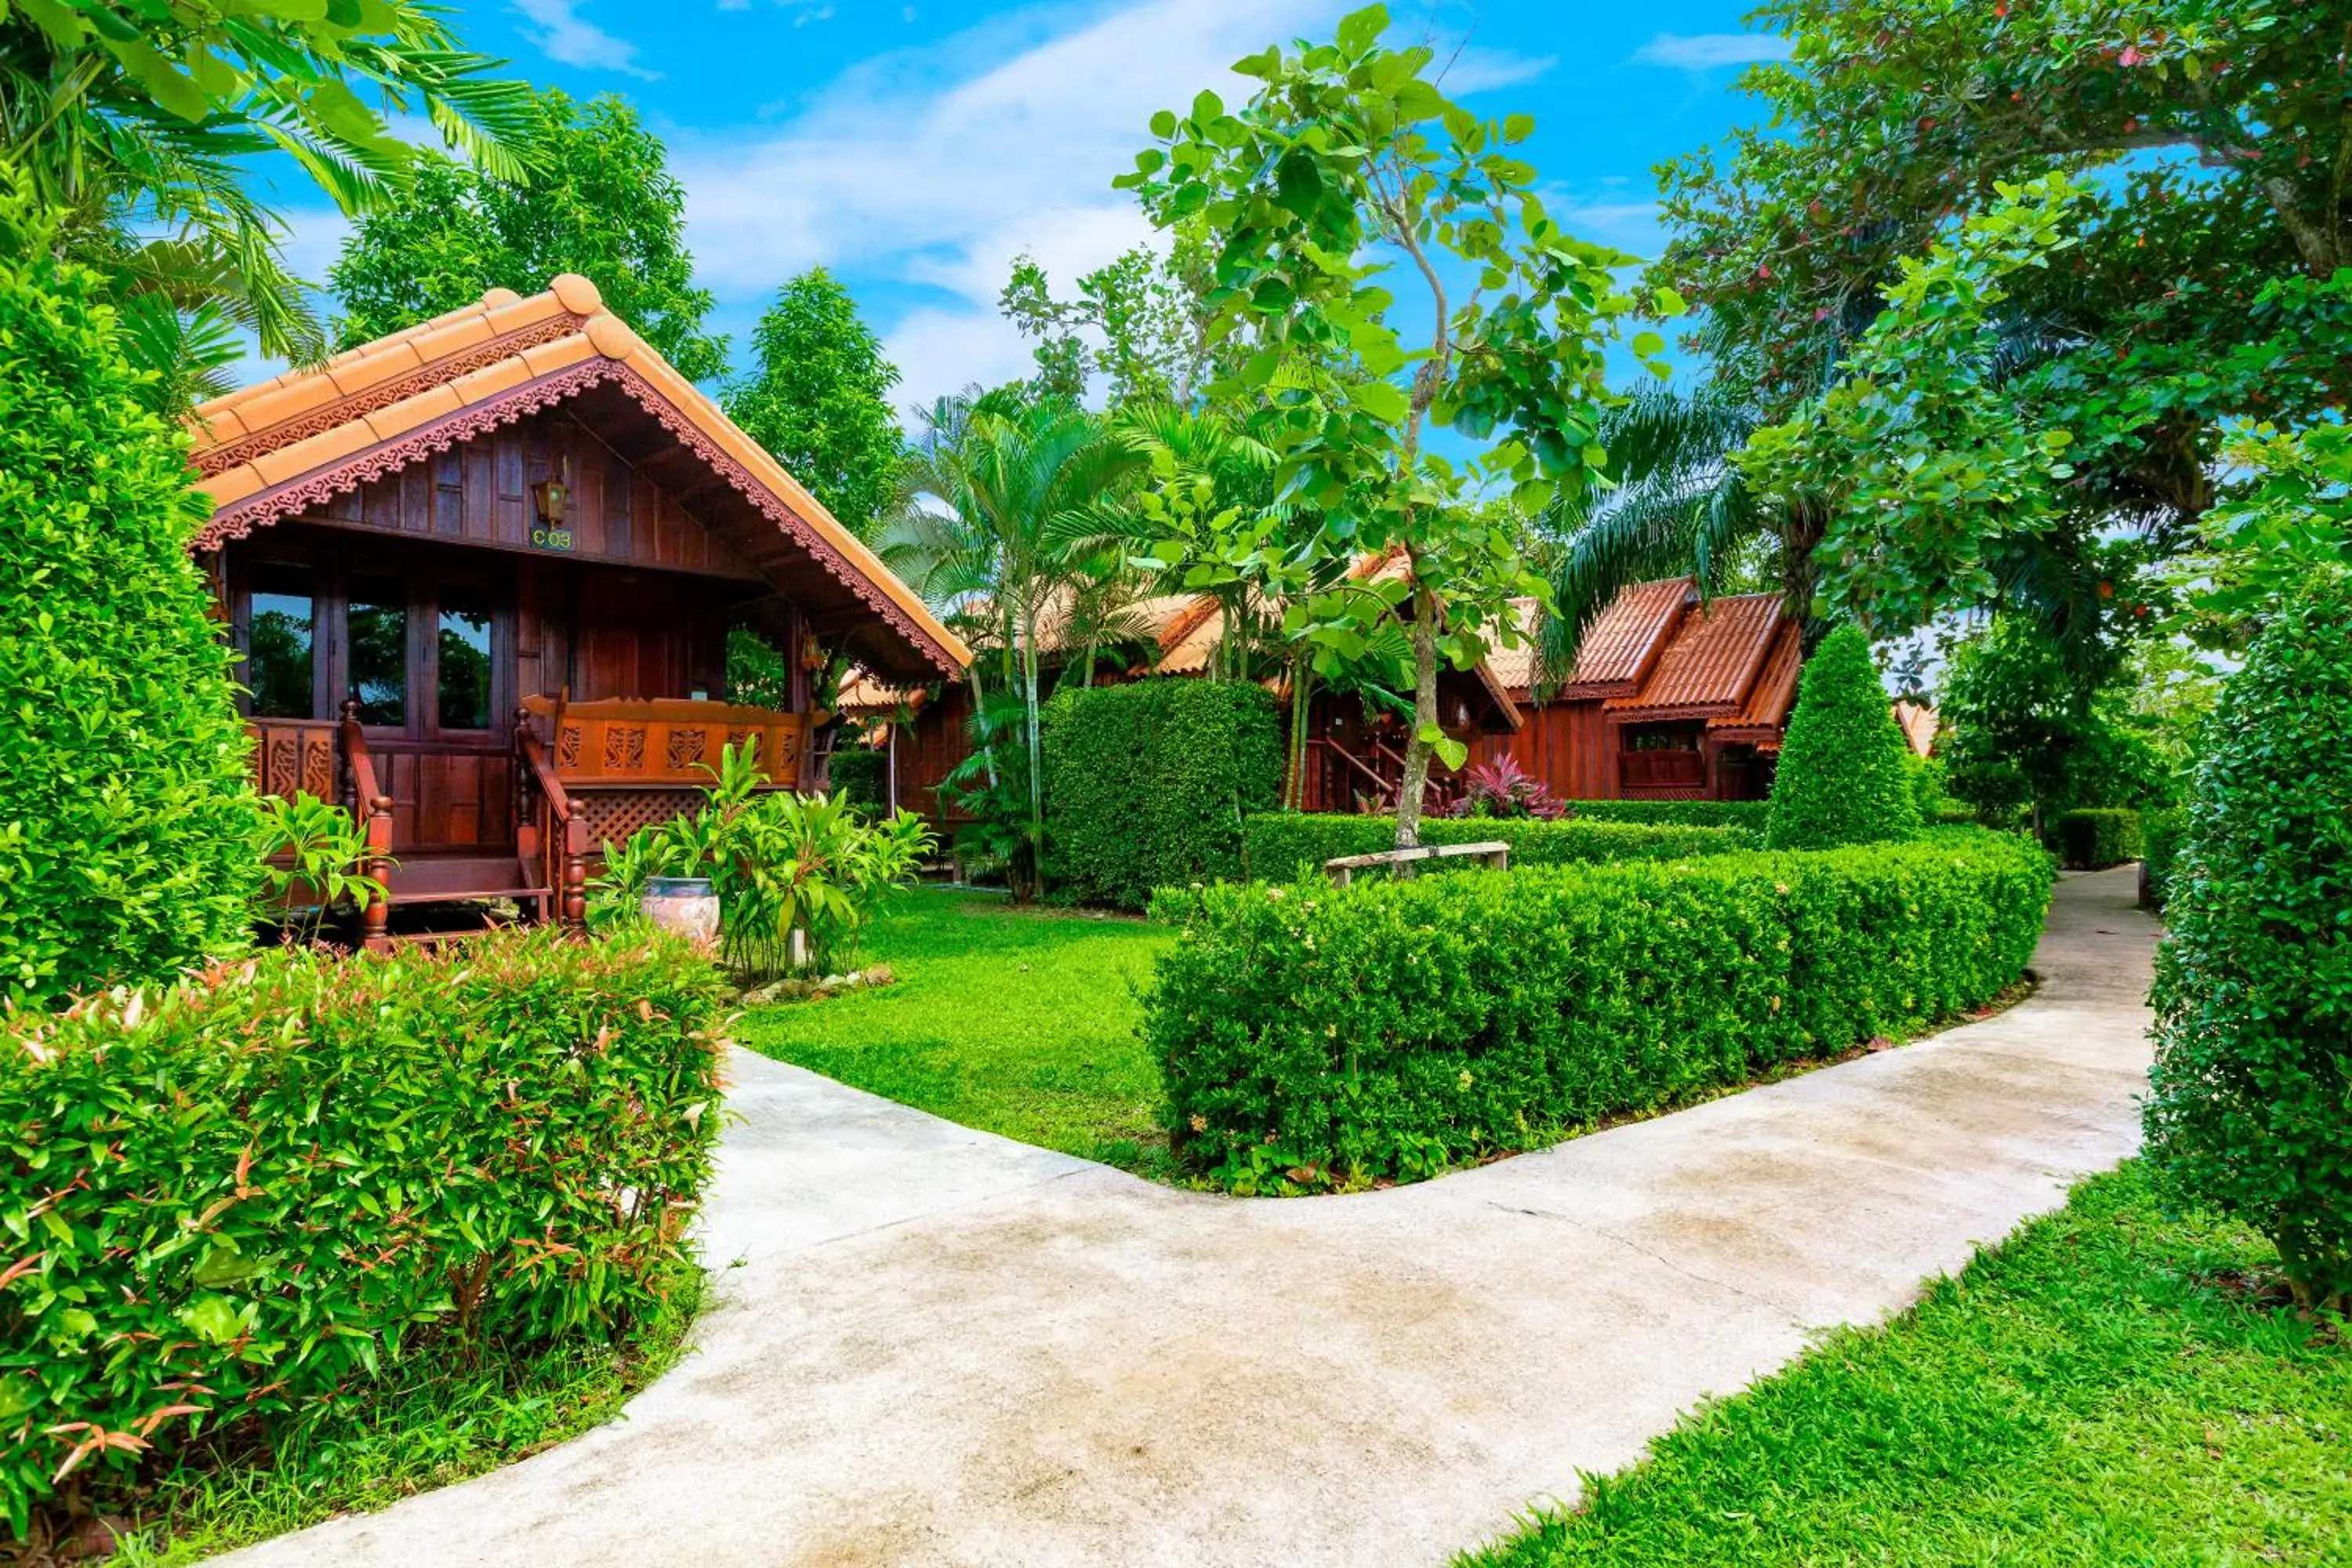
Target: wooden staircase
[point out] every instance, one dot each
(443, 877)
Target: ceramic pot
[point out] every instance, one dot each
(683, 906)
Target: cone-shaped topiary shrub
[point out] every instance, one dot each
(1845, 775)
(2250, 1107)
(126, 821)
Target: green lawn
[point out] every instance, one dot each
(2104, 1388)
(1016, 1021)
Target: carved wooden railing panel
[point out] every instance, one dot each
(293, 756)
(664, 744)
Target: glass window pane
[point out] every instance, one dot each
(279, 643)
(464, 695)
(378, 618)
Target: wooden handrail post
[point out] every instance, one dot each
(575, 874)
(372, 811)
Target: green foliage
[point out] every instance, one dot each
(1347, 166)
(2092, 1390)
(1151, 785)
(2160, 834)
(1752, 815)
(2093, 839)
(1925, 465)
(1312, 1035)
(758, 674)
(863, 776)
(1018, 1021)
(1281, 845)
(2025, 731)
(782, 863)
(1142, 321)
(2251, 1090)
(139, 133)
(2290, 514)
(1845, 772)
(243, 1195)
(126, 823)
(818, 398)
(312, 853)
(599, 201)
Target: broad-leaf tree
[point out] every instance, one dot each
(818, 398)
(599, 201)
(2211, 153)
(1141, 322)
(1347, 164)
(133, 123)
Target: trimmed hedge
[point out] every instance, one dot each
(2249, 1102)
(864, 776)
(1845, 772)
(2095, 837)
(1311, 1035)
(230, 1201)
(1148, 785)
(1279, 845)
(126, 823)
(1751, 814)
(2160, 833)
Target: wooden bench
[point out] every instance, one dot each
(1343, 868)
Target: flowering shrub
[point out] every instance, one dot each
(1312, 1036)
(229, 1202)
(1503, 788)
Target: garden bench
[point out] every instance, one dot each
(1342, 869)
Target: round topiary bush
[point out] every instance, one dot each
(2251, 1101)
(1846, 770)
(126, 823)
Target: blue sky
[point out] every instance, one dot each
(914, 148)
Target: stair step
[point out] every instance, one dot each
(427, 879)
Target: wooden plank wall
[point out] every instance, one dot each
(1568, 745)
(479, 493)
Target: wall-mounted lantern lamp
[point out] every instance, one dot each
(548, 500)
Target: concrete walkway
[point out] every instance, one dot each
(936, 1346)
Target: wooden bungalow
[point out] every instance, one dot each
(1354, 755)
(1670, 700)
(483, 572)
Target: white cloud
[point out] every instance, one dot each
(566, 37)
(1481, 70)
(935, 167)
(1707, 52)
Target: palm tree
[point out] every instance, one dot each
(135, 139)
(995, 491)
(1680, 506)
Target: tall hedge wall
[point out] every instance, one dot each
(1281, 845)
(1311, 1035)
(1148, 785)
(1751, 814)
(126, 822)
(234, 1198)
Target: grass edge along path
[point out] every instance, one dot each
(1016, 1021)
(2111, 1385)
(439, 1419)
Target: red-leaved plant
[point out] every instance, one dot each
(1503, 788)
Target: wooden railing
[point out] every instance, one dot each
(371, 808)
(1377, 771)
(551, 838)
(1651, 773)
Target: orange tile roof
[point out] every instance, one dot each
(1625, 640)
(1765, 713)
(1710, 666)
(275, 449)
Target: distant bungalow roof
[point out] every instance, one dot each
(1709, 665)
(284, 448)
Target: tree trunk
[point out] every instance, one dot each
(1037, 767)
(1425, 720)
(1302, 676)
